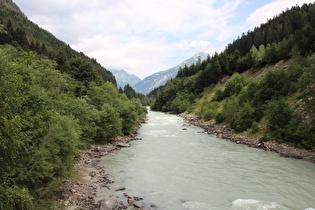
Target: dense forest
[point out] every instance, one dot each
(53, 101)
(132, 94)
(276, 105)
(17, 30)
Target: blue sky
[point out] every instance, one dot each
(146, 36)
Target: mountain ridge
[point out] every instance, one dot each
(123, 78)
(17, 29)
(160, 78)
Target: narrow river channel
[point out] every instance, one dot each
(176, 166)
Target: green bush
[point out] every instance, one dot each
(109, 124)
(307, 84)
(230, 110)
(275, 85)
(48, 155)
(182, 102)
(219, 95)
(245, 117)
(278, 114)
(254, 128)
(208, 110)
(299, 133)
(209, 114)
(248, 93)
(15, 198)
(234, 85)
(219, 117)
(128, 115)
(286, 126)
(87, 116)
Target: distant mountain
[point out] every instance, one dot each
(123, 78)
(160, 78)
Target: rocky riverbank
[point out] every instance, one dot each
(81, 192)
(225, 132)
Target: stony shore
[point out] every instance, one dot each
(225, 132)
(81, 191)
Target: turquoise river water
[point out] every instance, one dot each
(176, 168)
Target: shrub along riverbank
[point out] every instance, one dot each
(271, 103)
(46, 117)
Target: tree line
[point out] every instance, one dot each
(45, 119)
(252, 105)
(132, 94)
(16, 29)
(53, 101)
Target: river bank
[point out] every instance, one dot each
(225, 132)
(81, 191)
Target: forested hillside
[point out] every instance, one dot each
(240, 87)
(17, 30)
(53, 101)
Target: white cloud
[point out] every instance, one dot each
(139, 36)
(262, 14)
(201, 45)
(137, 55)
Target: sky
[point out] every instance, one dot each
(146, 36)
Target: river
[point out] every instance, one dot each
(177, 166)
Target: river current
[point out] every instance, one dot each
(177, 166)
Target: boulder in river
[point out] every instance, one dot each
(107, 204)
(121, 144)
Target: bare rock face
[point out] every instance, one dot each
(106, 204)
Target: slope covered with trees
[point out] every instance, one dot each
(275, 105)
(132, 94)
(17, 30)
(53, 101)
